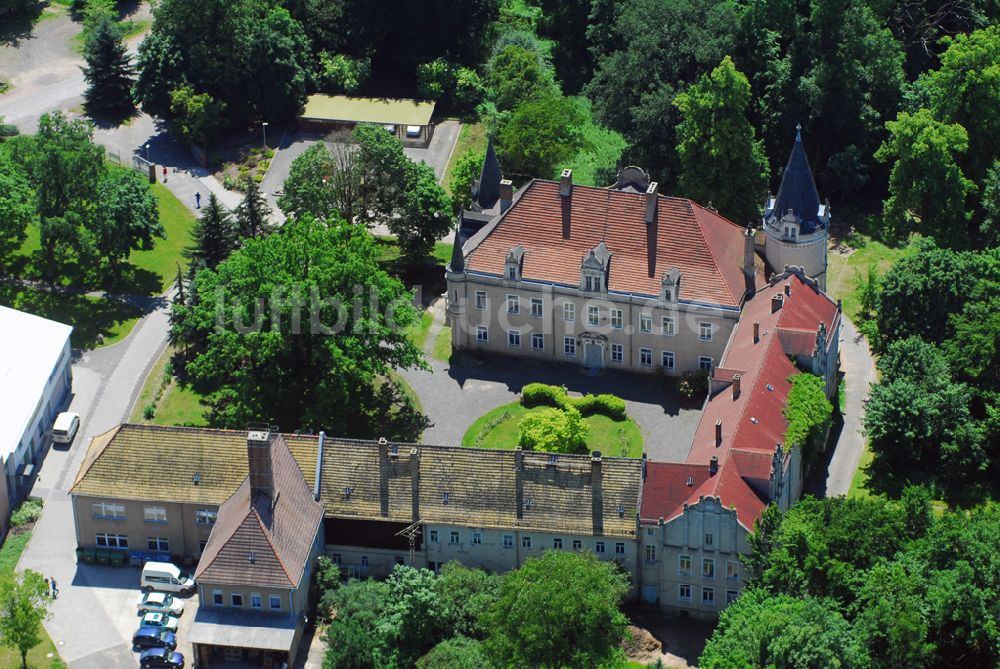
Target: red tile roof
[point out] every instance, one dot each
(666, 487)
(752, 423)
(704, 246)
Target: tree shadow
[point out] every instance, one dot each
(15, 27)
(110, 119)
(390, 412)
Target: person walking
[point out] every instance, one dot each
(55, 589)
(164, 174)
(48, 584)
(197, 200)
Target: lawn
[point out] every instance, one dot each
(499, 430)
(146, 272)
(442, 345)
(419, 331)
(472, 137)
(860, 479)
(89, 316)
(176, 403)
(844, 268)
(39, 656)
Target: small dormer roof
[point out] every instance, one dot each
(516, 254)
(672, 278)
(597, 257)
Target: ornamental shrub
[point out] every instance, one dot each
(343, 74)
(541, 394)
(29, 511)
(807, 409)
(554, 431)
(604, 404)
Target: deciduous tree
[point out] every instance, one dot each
(18, 208)
(425, 215)
(541, 134)
(24, 604)
(127, 217)
(721, 160)
(559, 610)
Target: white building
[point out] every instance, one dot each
(35, 383)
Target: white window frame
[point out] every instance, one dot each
(666, 356)
(513, 304)
(232, 600)
(705, 330)
(599, 547)
(619, 548)
(454, 537)
(569, 347)
(557, 543)
(617, 319)
(537, 308)
(271, 599)
(668, 325)
(481, 299)
(707, 596)
(158, 544)
(513, 339)
(537, 341)
(526, 542)
(577, 544)
(433, 536)
(731, 596)
(508, 541)
(650, 553)
(681, 597)
(569, 312)
(108, 510)
(709, 538)
(205, 517)
(477, 538)
(111, 540)
(708, 567)
(255, 597)
(705, 362)
(482, 334)
(593, 315)
(645, 357)
(617, 353)
(217, 598)
(732, 570)
(645, 323)
(154, 514)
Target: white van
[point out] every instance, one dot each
(65, 428)
(165, 577)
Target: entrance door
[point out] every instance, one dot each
(593, 355)
(649, 593)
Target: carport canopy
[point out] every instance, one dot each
(242, 630)
(341, 108)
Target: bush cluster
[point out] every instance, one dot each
(541, 394)
(29, 511)
(554, 431)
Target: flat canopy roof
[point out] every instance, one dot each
(242, 630)
(30, 347)
(368, 110)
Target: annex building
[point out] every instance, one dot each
(34, 388)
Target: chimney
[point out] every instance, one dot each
(519, 481)
(651, 199)
(506, 194)
(718, 433)
(566, 183)
(756, 331)
(383, 476)
(776, 302)
(713, 465)
(415, 483)
(736, 387)
(597, 493)
(788, 290)
(259, 462)
(644, 463)
(748, 260)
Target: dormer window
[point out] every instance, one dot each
(670, 287)
(594, 269)
(790, 226)
(512, 264)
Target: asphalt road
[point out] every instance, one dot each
(859, 374)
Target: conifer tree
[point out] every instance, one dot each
(252, 214)
(109, 70)
(214, 236)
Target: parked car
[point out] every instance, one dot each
(160, 602)
(165, 577)
(161, 658)
(161, 620)
(153, 637)
(65, 428)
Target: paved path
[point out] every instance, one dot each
(454, 395)
(859, 374)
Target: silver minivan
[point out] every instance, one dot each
(165, 577)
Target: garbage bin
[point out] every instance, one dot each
(79, 555)
(135, 558)
(117, 558)
(102, 556)
(89, 556)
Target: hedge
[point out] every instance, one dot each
(605, 404)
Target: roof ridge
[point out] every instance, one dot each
(715, 261)
(202, 570)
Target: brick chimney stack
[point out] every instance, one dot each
(651, 199)
(506, 194)
(383, 476)
(736, 386)
(259, 461)
(776, 302)
(756, 331)
(718, 433)
(566, 183)
(713, 465)
(519, 481)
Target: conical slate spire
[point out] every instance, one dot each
(798, 190)
(487, 190)
(457, 263)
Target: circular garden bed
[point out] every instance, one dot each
(606, 428)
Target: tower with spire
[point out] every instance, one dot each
(796, 223)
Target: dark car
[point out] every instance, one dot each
(161, 658)
(154, 637)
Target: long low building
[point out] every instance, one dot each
(409, 120)
(35, 385)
